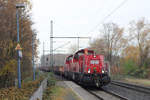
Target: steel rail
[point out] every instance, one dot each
(138, 88)
(94, 94)
(107, 92)
(115, 94)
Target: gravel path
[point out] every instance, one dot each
(70, 95)
(82, 93)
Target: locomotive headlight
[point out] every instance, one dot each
(89, 70)
(102, 71)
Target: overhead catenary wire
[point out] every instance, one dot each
(107, 16)
(62, 46)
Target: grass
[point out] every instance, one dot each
(55, 92)
(131, 79)
(117, 77)
(59, 93)
(144, 82)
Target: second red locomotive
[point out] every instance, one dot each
(87, 67)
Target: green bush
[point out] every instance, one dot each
(129, 67)
(132, 69)
(51, 80)
(141, 72)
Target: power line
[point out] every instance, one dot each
(74, 37)
(107, 16)
(71, 37)
(62, 46)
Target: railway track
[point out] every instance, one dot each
(108, 94)
(95, 94)
(115, 94)
(100, 93)
(138, 88)
(119, 91)
(103, 94)
(129, 91)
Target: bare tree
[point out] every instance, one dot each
(140, 31)
(8, 40)
(98, 45)
(113, 36)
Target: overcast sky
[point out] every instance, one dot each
(81, 17)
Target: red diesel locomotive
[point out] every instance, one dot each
(87, 67)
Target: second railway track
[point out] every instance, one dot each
(129, 91)
(121, 91)
(138, 88)
(117, 90)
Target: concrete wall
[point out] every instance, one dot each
(37, 95)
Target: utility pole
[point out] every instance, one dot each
(33, 62)
(51, 46)
(19, 52)
(43, 56)
(19, 70)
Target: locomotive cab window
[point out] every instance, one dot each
(76, 57)
(46, 59)
(67, 60)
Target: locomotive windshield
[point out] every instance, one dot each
(94, 62)
(70, 58)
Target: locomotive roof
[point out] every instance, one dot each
(82, 50)
(70, 56)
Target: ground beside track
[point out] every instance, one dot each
(82, 93)
(58, 90)
(78, 90)
(142, 82)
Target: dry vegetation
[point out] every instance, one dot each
(144, 82)
(13, 93)
(59, 93)
(127, 49)
(8, 41)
